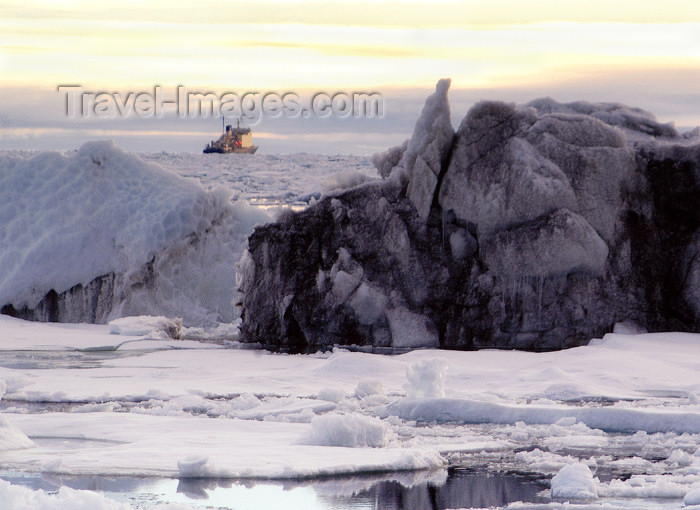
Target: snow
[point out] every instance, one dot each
(342, 181)
(69, 219)
(692, 498)
(20, 498)
(628, 328)
(269, 179)
(574, 481)
(11, 438)
(635, 122)
(409, 329)
(609, 419)
(331, 395)
(368, 387)
(146, 325)
(426, 378)
(350, 430)
(31, 336)
(180, 408)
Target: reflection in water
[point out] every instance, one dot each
(461, 488)
(423, 490)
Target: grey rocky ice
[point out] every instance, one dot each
(535, 226)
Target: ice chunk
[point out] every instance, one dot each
(331, 395)
(462, 244)
(633, 120)
(387, 160)
(574, 481)
(628, 328)
(692, 498)
(559, 244)
(11, 438)
(14, 497)
(349, 430)
(426, 378)
(147, 325)
(113, 235)
(80, 216)
(409, 329)
(428, 147)
(369, 303)
(369, 387)
(344, 284)
(245, 402)
(543, 462)
(195, 466)
(343, 181)
(613, 419)
(680, 458)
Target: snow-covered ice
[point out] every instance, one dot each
(20, 498)
(351, 430)
(146, 325)
(574, 481)
(271, 179)
(67, 219)
(179, 408)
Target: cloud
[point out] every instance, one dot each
(33, 118)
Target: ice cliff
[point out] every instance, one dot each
(100, 233)
(534, 226)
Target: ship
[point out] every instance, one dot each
(233, 140)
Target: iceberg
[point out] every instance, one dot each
(99, 234)
(535, 226)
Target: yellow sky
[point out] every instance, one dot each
(309, 45)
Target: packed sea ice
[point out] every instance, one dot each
(624, 408)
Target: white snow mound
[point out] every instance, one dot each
(349, 430)
(692, 498)
(11, 438)
(146, 325)
(426, 378)
(14, 497)
(67, 219)
(574, 481)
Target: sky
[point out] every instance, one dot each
(640, 52)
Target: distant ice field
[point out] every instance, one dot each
(266, 179)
